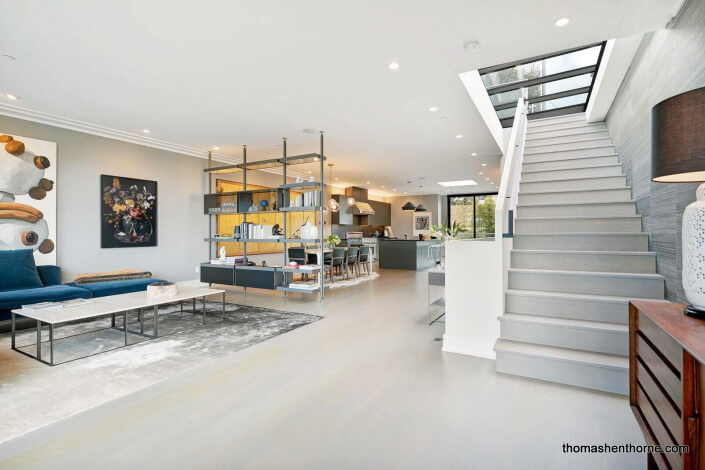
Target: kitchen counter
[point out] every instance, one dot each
(395, 253)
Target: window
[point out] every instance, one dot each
(553, 84)
(475, 212)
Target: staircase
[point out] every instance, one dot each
(578, 257)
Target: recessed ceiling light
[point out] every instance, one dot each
(336, 178)
(394, 189)
(369, 182)
(450, 184)
(560, 22)
(480, 173)
(433, 109)
(216, 148)
(394, 66)
(473, 154)
(487, 179)
(484, 164)
(459, 136)
(12, 97)
(382, 187)
(146, 131)
(315, 159)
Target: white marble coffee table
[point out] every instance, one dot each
(109, 305)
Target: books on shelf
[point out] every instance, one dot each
(306, 285)
(229, 260)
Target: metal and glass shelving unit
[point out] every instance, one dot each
(239, 202)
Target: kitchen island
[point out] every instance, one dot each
(414, 255)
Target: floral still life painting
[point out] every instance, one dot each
(129, 212)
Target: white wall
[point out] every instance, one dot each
(474, 294)
(82, 158)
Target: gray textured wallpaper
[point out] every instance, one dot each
(668, 62)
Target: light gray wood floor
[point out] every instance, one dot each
(366, 387)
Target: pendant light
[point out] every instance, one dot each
(408, 207)
(332, 203)
(350, 201)
(421, 208)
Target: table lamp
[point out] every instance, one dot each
(678, 156)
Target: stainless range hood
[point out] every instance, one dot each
(363, 208)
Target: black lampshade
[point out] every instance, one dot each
(678, 138)
(421, 208)
(408, 207)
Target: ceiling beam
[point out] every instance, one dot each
(538, 81)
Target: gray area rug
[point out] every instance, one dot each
(184, 342)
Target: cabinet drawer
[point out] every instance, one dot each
(659, 369)
(662, 341)
(218, 274)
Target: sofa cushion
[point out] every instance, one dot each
(101, 289)
(18, 270)
(17, 298)
(50, 275)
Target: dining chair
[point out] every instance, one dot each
(351, 261)
(299, 255)
(364, 259)
(333, 261)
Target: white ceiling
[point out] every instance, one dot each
(228, 73)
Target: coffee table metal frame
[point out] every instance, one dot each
(140, 315)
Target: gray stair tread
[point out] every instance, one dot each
(559, 191)
(604, 165)
(566, 322)
(588, 252)
(572, 178)
(562, 354)
(565, 150)
(580, 125)
(578, 217)
(563, 272)
(571, 296)
(572, 234)
(571, 142)
(550, 204)
(580, 157)
(568, 135)
(561, 118)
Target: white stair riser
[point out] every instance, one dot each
(596, 242)
(574, 308)
(567, 154)
(595, 262)
(622, 194)
(572, 185)
(572, 163)
(569, 118)
(621, 208)
(587, 224)
(534, 141)
(570, 146)
(539, 133)
(601, 341)
(589, 172)
(565, 372)
(587, 284)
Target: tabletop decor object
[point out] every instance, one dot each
(678, 156)
(160, 290)
(332, 241)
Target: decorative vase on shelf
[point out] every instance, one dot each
(694, 250)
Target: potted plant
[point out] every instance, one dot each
(445, 233)
(332, 240)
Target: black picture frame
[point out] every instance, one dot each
(128, 212)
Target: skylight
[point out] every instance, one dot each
(450, 184)
(554, 84)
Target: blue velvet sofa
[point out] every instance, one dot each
(22, 283)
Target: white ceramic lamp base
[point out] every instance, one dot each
(694, 254)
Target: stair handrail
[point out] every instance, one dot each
(511, 172)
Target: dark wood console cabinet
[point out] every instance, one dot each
(667, 380)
